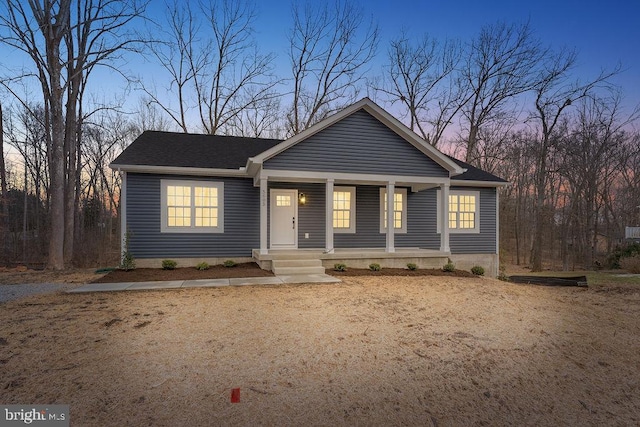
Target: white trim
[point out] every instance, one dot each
(390, 225)
(439, 220)
(264, 206)
(294, 203)
(465, 183)
(352, 209)
(165, 228)
(123, 213)
(379, 113)
(328, 223)
(383, 226)
(497, 232)
(442, 211)
(348, 178)
(178, 170)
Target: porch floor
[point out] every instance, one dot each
(357, 258)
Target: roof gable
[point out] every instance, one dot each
(358, 143)
(381, 115)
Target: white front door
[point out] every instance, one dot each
(284, 219)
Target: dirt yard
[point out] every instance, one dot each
(369, 351)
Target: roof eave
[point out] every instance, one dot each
(475, 183)
(179, 170)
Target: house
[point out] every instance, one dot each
(315, 199)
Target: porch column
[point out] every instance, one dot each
(123, 214)
(264, 202)
(391, 190)
(444, 214)
(328, 225)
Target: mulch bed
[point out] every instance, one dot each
(400, 272)
(251, 269)
(248, 269)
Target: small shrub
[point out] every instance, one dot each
(202, 266)
(169, 264)
(340, 267)
(375, 267)
(631, 264)
(229, 263)
(502, 274)
(630, 250)
(449, 266)
(411, 266)
(477, 270)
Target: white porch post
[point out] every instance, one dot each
(264, 202)
(328, 226)
(444, 214)
(391, 190)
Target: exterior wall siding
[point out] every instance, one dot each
(485, 241)
(241, 216)
(357, 144)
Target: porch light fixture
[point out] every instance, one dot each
(302, 199)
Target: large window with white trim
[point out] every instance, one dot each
(463, 212)
(192, 206)
(344, 210)
(399, 210)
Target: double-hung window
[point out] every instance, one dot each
(463, 212)
(192, 206)
(399, 210)
(344, 210)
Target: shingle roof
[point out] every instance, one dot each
(154, 148)
(474, 174)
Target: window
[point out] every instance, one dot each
(192, 207)
(344, 210)
(464, 211)
(399, 210)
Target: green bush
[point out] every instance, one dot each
(630, 250)
(375, 267)
(449, 266)
(631, 264)
(412, 266)
(502, 275)
(340, 267)
(202, 266)
(169, 264)
(477, 270)
(229, 263)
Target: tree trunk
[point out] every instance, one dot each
(4, 200)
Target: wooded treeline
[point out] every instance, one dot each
(503, 101)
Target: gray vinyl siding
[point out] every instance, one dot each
(367, 233)
(485, 241)
(241, 221)
(357, 144)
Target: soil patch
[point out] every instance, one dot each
(433, 351)
(249, 269)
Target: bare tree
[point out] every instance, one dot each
(501, 63)
(329, 51)
(213, 63)
(4, 200)
(554, 94)
(418, 75)
(65, 39)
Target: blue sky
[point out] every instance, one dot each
(604, 34)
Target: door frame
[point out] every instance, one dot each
(294, 201)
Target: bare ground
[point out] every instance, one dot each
(369, 351)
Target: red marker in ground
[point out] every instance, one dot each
(235, 395)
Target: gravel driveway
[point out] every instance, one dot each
(13, 292)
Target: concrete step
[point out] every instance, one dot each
(297, 266)
(291, 271)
